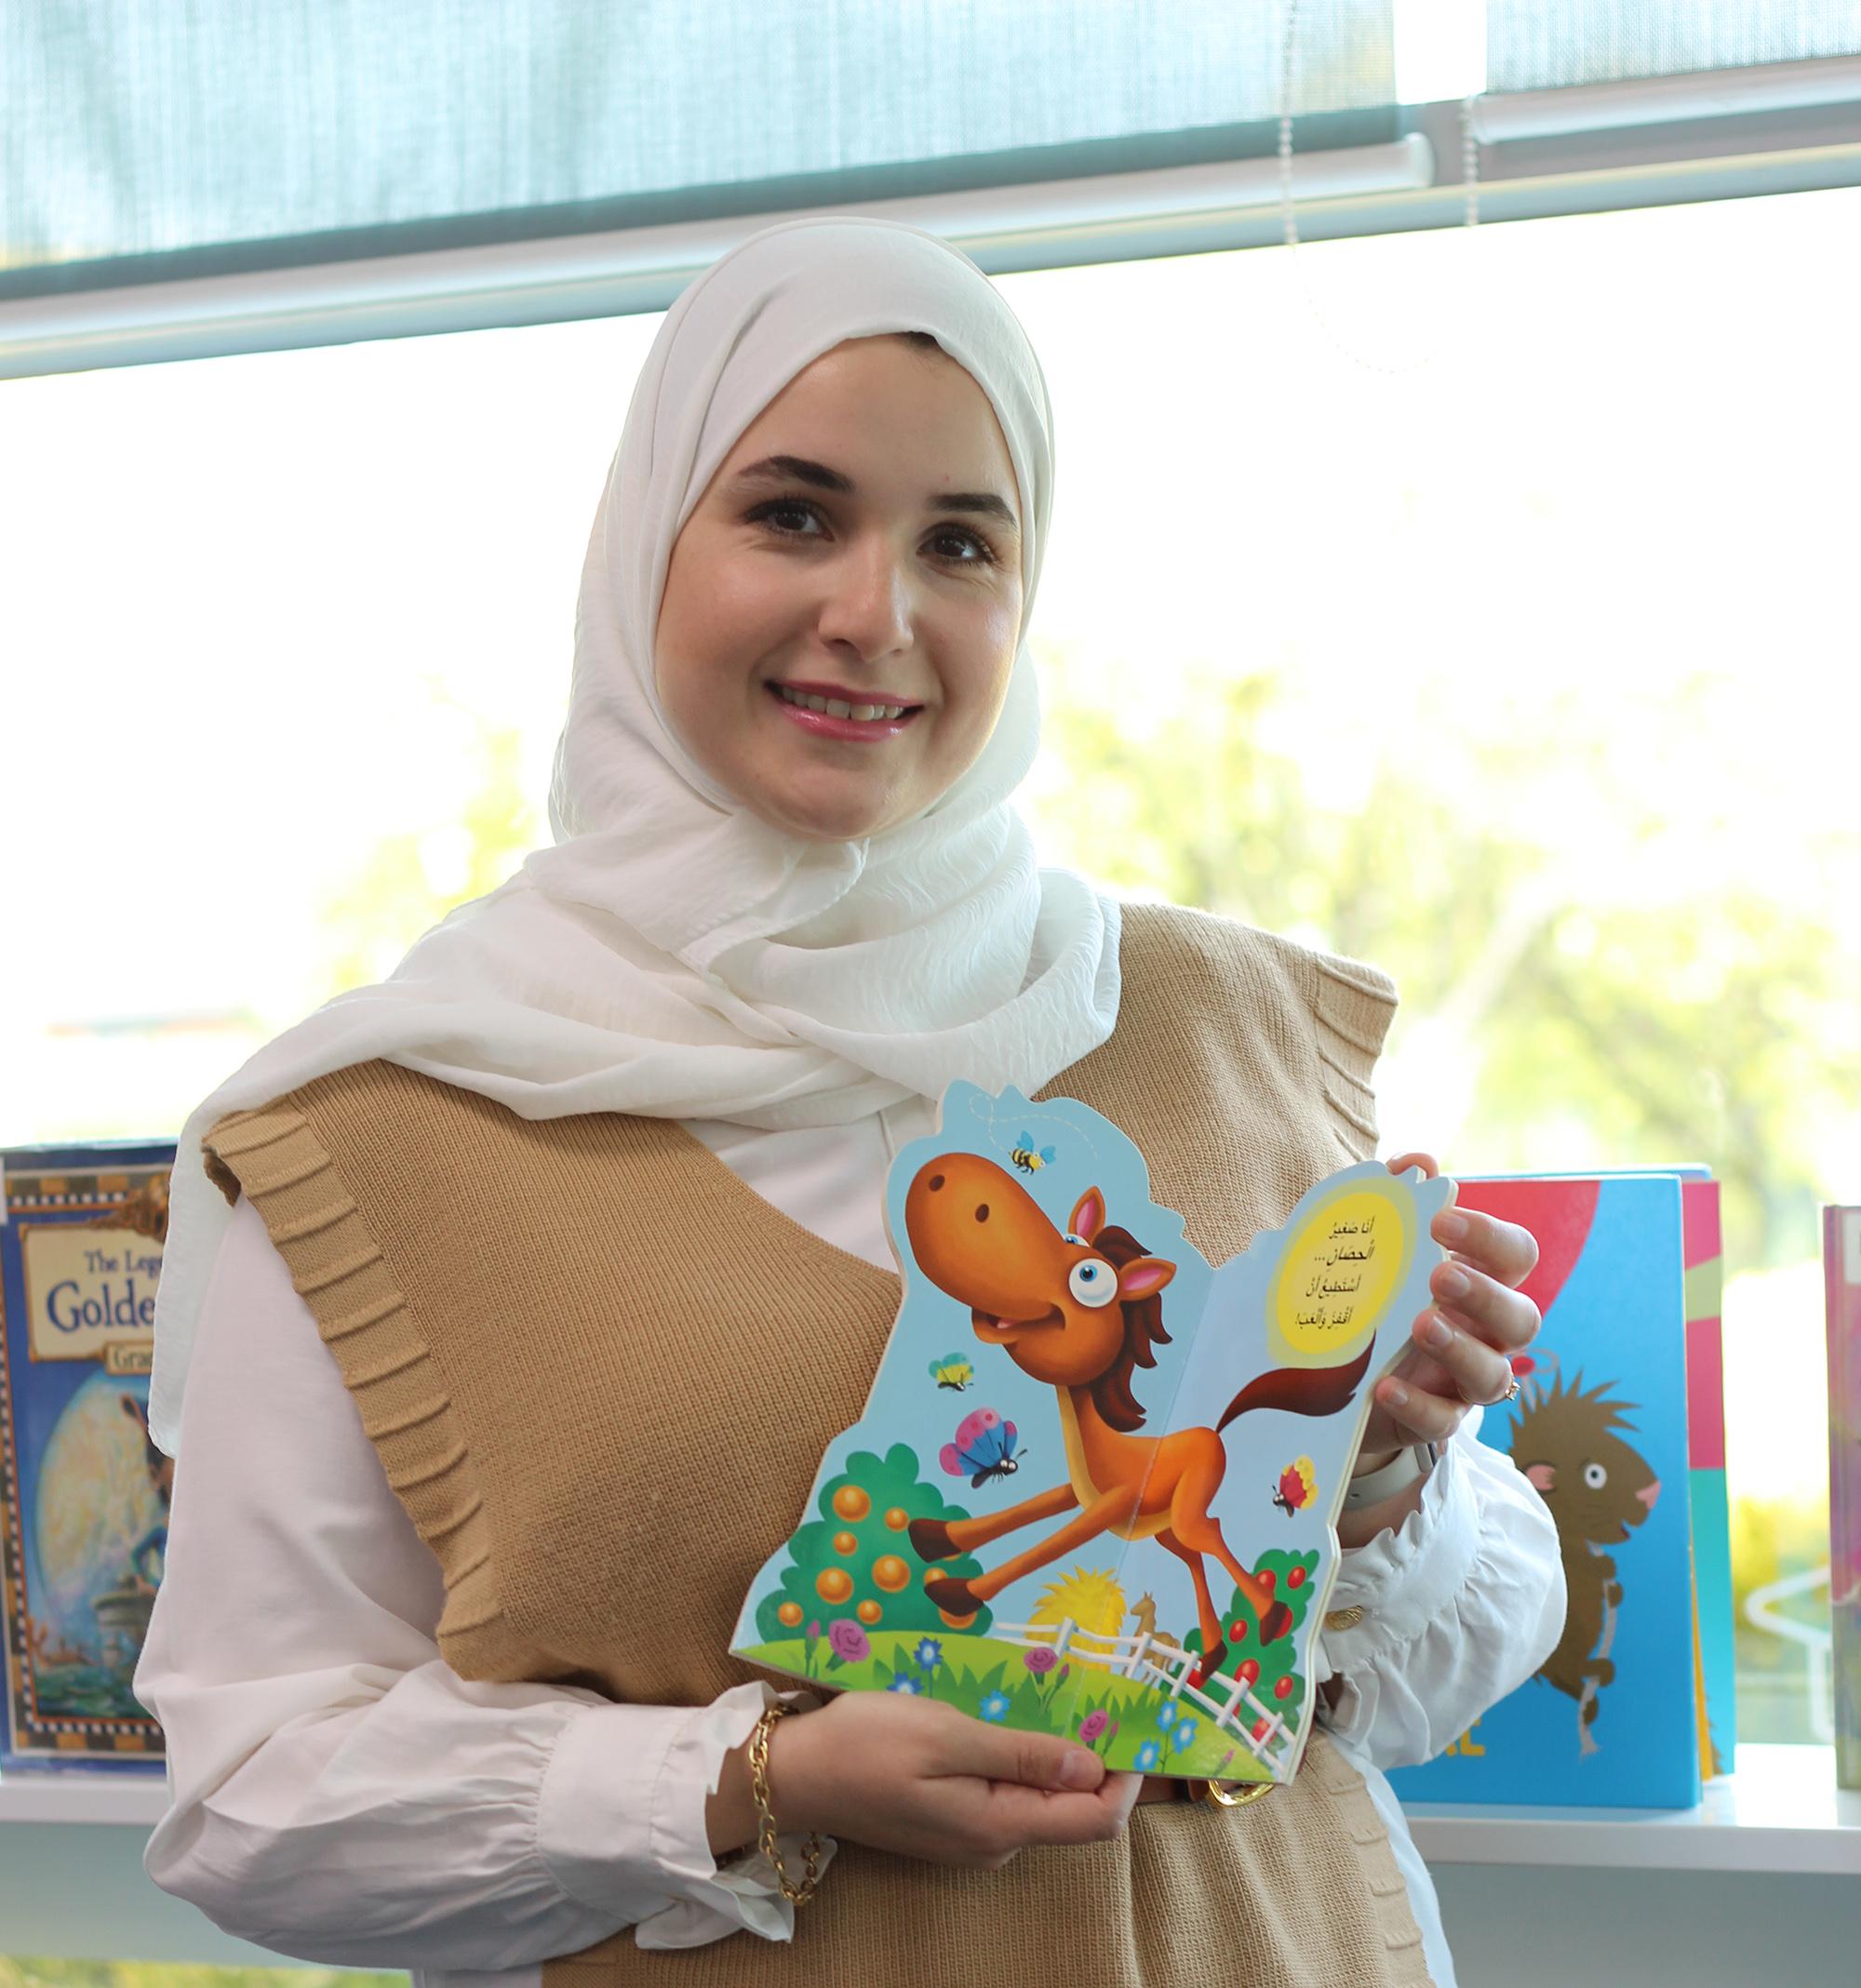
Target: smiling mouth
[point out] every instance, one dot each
(999, 1332)
(860, 711)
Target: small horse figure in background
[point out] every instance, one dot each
(1080, 1311)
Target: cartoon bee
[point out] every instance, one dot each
(983, 1449)
(953, 1371)
(1298, 1486)
(1029, 1157)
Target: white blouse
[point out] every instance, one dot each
(337, 1794)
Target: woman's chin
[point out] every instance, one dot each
(814, 816)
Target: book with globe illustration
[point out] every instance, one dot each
(1615, 1425)
(1095, 1487)
(84, 1493)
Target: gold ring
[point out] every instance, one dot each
(1511, 1393)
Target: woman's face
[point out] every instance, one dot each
(858, 549)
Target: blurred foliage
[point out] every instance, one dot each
(158, 1974)
(411, 880)
(1697, 1020)
(1773, 1539)
(1672, 1016)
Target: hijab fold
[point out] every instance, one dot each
(670, 953)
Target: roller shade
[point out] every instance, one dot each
(245, 136)
(1552, 43)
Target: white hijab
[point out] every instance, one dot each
(673, 955)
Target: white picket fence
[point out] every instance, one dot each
(1149, 1660)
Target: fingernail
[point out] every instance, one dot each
(1450, 1228)
(1435, 1333)
(1396, 1394)
(1451, 1283)
(1081, 1769)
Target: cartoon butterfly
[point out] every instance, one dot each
(1298, 1486)
(983, 1449)
(1029, 1157)
(953, 1371)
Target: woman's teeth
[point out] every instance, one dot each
(835, 707)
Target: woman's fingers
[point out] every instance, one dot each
(1419, 1415)
(1505, 1318)
(1430, 1167)
(1020, 1815)
(1504, 1252)
(1036, 1760)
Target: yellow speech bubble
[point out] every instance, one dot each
(1341, 1266)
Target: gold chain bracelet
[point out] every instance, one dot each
(795, 1894)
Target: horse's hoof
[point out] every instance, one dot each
(931, 1540)
(1275, 1622)
(1207, 1664)
(952, 1596)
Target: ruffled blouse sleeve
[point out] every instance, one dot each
(1440, 1618)
(338, 1792)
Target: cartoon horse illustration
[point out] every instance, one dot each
(1079, 1310)
(1598, 1487)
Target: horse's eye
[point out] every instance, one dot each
(1595, 1477)
(1093, 1282)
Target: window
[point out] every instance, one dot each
(1472, 602)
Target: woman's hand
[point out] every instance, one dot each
(1463, 1343)
(923, 1779)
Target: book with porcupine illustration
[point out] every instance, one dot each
(84, 1493)
(1095, 1487)
(1604, 1427)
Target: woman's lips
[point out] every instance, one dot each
(830, 724)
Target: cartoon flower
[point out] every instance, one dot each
(1040, 1661)
(1166, 1716)
(993, 1708)
(849, 1641)
(813, 1633)
(909, 1686)
(928, 1654)
(1091, 1725)
(1184, 1735)
(1147, 1756)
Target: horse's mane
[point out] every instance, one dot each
(1142, 1330)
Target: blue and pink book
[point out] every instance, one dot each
(1620, 1423)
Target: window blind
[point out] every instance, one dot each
(1551, 44)
(135, 132)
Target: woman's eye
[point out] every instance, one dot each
(1093, 1282)
(780, 515)
(978, 550)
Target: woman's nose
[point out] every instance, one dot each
(868, 604)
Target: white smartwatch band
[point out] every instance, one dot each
(1398, 1474)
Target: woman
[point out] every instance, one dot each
(504, 1385)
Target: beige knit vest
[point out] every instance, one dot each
(600, 1371)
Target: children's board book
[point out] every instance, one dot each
(1841, 1266)
(1706, 1475)
(1613, 1717)
(84, 1493)
(1093, 1488)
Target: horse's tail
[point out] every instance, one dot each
(1302, 1390)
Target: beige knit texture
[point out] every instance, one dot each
(600, 1371)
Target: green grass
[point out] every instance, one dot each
(977, 1674)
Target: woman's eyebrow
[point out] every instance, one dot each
(798, 469)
